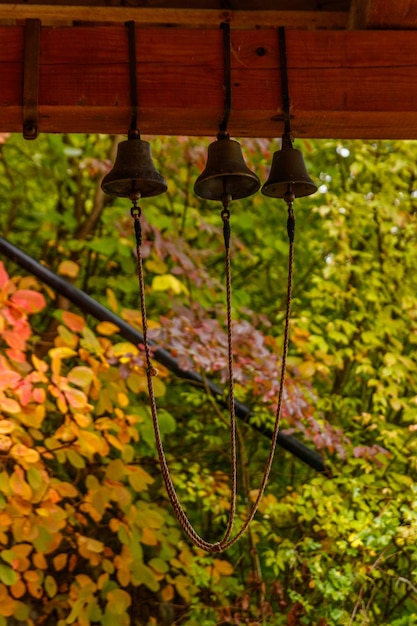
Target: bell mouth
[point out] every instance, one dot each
(288, 173)
(226, 173)
(133, 171)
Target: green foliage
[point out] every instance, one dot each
(86, 534)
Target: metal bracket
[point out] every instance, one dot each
(282, 45)
(32, 41)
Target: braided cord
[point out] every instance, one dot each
(226, 541)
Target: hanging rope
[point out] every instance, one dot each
(227, 541)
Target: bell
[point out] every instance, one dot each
(226, 172)
(133, 171)
(288, 172)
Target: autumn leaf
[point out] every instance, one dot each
(28, 300)
(107, 328)
(80, 375)
(4, 277)
(76, 323)
(69, 268)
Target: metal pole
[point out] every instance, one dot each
(97, 310)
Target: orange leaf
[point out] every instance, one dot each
(28, 300)
(167, 593)
(74, 322)
(60, 561)
(8, 405)
(18, 589)
(224, 568)
(39, 561)
(4, 277)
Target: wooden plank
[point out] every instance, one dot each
(393, 14)
(194, 18)
(358, 84)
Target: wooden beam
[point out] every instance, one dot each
(392, 14)
(385, 14)
(193, 18)
(358, 84)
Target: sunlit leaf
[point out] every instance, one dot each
(74, 322)
(28, 300)
(107, 328)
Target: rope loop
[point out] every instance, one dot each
(178, 510)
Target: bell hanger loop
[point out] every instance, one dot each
(226, 175)
(288, 178)
(133, 175)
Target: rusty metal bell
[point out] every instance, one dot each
(133, 171)
(288, 173)
(226, 173)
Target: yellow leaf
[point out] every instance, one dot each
(115, 470)
(39, 365)
(23, 454)
(139, 479)
(119, 600)
(80, 375)
(307, 369)
(66, 490)
(6, 427)
(168, 282)
(63, 352)
(90, 443)
(107, 328)
(69, 268)
(91, 544)
(85, 581)
(76, 398)
(82, 420)
(122, 348)
(5, 443)
(122, 399)
(114, 441)
(111, 299)
(18, 484)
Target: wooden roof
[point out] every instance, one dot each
(352, 66)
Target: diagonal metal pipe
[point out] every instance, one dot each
(100, 312)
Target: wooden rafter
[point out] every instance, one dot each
(349, 74)
(193, 18)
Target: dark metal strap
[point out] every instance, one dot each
(32, 38)
(227, 84)
(284, 79)
(131, 35)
